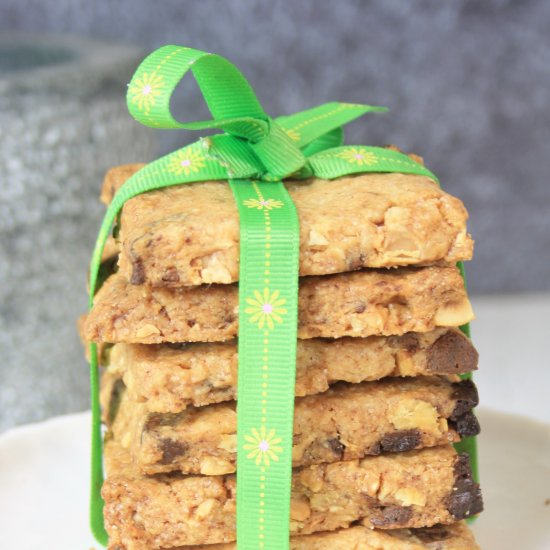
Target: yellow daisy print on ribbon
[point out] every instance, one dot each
(293, 135)
(263, 446)
(268, 204)
(265, 309)
(144, 91)
(186, 162)
(358, 156)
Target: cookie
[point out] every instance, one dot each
(393, 491)
(440, 537)
(362, 303)
(189, 234)
(167, 378)
(346, 422)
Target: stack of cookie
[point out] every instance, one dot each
(379, 403)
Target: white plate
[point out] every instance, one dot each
(44, 484)
(515, 482)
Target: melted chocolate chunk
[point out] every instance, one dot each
(466, 425)
(409, 341)
(171, 449)
(171, 275)
(436, 533)
(176, 345)
(392, 516)
(117, 391)
(452, 353)
(404, 440)
(228, 319)
(138, 272)
(106, 269)
(154, 420)
(465, 499)
(336, 447)
(466, 396)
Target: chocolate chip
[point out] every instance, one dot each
(360, 308)
(466, 425)
(171, 449)
(106, 269)
(465, 499)
(191, 323)
(176, 345)
(408, 341)
(115, 398)
(153, 421)
(374, 450)
(466, 398)
(156, 420)
(392, 516)
(164, 313)
(436, 533)
(398, 442)
(336, 447)
(171, 275)
(452, 353)
(228, 319)
(138, 272)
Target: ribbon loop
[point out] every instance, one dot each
(226, 91)
(229, 96)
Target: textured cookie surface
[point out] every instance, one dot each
(440, 537)
(348, 421)
(362, 303)
(399, 490)
(189, 234)
(167, 378)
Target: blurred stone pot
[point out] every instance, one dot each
(63, 122)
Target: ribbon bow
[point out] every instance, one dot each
(254, 153)
(254, 144)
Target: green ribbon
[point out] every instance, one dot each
(254, 153)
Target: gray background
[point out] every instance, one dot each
(468, 84)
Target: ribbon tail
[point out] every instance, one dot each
(334, 138)
(306, 126)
